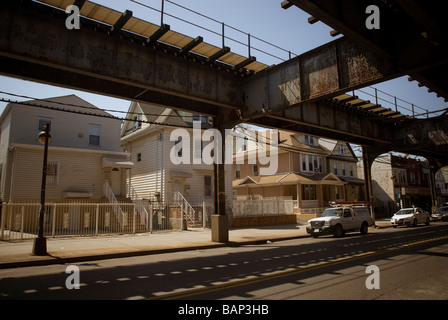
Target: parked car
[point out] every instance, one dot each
(339, 220)
(440, 214)
(410, 216)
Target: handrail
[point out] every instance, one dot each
(108, 192)
(139, 204)
(185, 205)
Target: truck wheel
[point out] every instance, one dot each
(338, 231)
(315, 235)
(364, 228)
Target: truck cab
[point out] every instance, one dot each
(340, 219)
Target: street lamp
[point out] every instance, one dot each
(40, 243)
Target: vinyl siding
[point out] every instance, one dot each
(77, 172)
(69, 130)
(148, 174)
(156, 173)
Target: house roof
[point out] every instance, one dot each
(68, 103)
(288, 178)
(159, 115)
(289, 141)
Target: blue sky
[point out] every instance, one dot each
(265, 19)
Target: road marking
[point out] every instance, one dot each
(287, 273)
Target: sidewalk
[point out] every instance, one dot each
(71, 250)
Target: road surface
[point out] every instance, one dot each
(407, 263)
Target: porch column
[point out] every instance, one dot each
(298, 197)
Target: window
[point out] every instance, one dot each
(311, 163)
(137, 122)
(335, 168)
(347, 213)
(237, 171)
(342, 149)
(310, 140)
(207, 186)
(255, 170)
(139, 157)
(309, 192)
(352, 172)
(244, 145)
(412, 177)
(339, 192)
(178, 146)
(52, 173)
(343, 169)
(94, 135)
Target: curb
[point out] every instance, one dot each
(50, 260)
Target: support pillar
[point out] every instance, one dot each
(433, 168)
(367, 166)
(220, 221)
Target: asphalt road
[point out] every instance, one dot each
(411, 263)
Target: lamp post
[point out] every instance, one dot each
(40, 243)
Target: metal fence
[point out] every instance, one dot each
(20, 220)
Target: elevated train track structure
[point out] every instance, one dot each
(116, 54)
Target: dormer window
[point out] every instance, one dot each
(310, 140)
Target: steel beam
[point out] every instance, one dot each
(37, 47)
(334, 68)
(411, 33)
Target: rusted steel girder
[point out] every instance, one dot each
(36, 45)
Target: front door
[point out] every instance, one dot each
(115, 181)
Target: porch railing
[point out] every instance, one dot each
(109, 194)
(139, 205)
(187, 210)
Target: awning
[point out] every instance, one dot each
(180, 174)
(116, 163)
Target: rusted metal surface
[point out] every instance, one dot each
(140, 72)
(329, 70)
(411, 33)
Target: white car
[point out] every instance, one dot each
(410, 216)
(440, 214)
(339, 220)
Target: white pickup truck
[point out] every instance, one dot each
(339, 220)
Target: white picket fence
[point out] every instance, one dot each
(262, 207)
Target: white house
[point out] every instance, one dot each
(148, 135)
(84, 154)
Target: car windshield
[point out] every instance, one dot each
(441, 210)
(332, 213)
(405, 211)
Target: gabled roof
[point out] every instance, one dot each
(71, 103)
(157, 115)
(333, 147)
